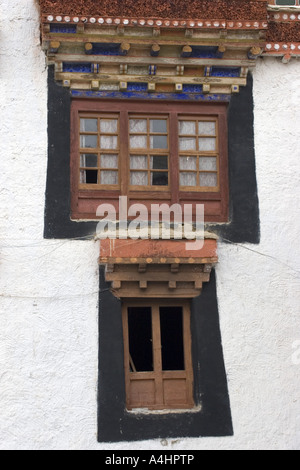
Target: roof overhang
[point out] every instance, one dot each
(205, 47)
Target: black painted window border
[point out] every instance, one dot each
(243, 225)
(211, 419)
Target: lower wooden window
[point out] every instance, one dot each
(157, 355)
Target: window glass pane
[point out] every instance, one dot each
(137, 125)
(88, 176)
(208, 179)
(89, 125)
(88, 141)
(159, 162)
(139, 178)
(109, 126)
(207, 145)
(187, 143)
(188, 163)
(88, 160)
(171, 327)
(140, 339)
(108, 142)
(158, 125)
(139, 163)
(109, 177)
(207, 128)
(109, 161)
(158, 142)
(138, 141)
(187, 127)
(208, 163)
(159, 178)
(285, 2)
(188, 179)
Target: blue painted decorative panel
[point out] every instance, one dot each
(106, 49)
(63, 28)
(131, 86)
(192, 88)
(225, 72)
(209, 52)
(223, 98)
(77, 67)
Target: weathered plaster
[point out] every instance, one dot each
(48, 289)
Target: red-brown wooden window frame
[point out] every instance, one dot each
(84, 202)
(169, 389)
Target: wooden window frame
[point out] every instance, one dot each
(148, 152)
(98, 150)
(85, 200)
(162, 379)
(201, 153)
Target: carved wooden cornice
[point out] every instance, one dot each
(283, 34)
(157, 268)
(157, 51)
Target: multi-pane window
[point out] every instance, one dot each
(99, 150)
(149, 151)
(157, 355)
(198, 153)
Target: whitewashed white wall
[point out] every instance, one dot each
(48, 288)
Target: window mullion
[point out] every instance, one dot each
(174, 157)
(157, 358)
(124, 156)
(187, 344)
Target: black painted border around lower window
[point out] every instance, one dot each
(115, 424)
(243, 227)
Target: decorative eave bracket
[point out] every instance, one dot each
(156, 269)
(126, 47)
(142, 55)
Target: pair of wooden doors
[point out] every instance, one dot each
(157, 354)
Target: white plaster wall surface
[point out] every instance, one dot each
(48, 288)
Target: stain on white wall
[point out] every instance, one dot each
(49, 288)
